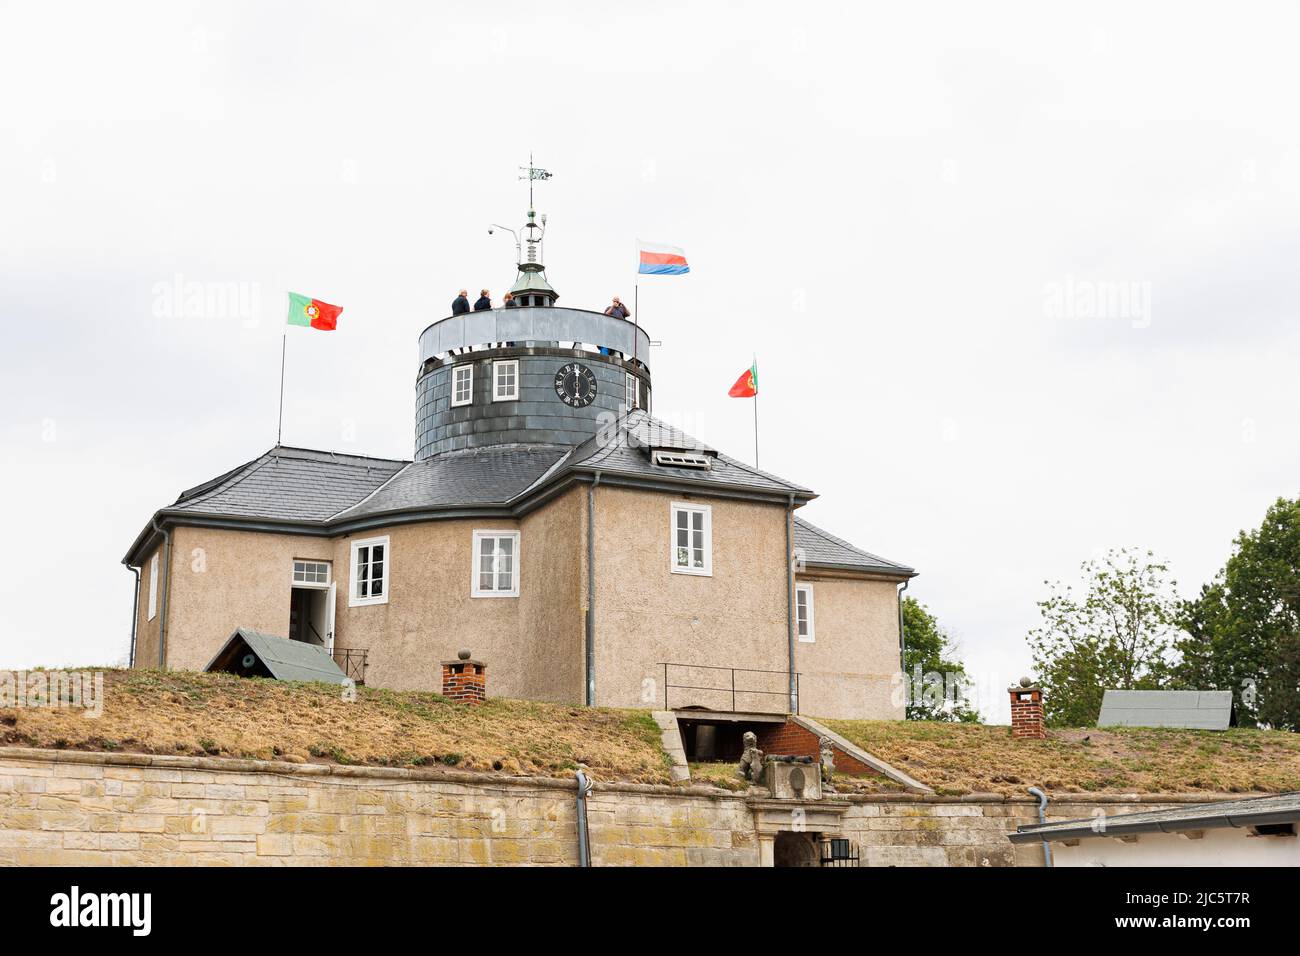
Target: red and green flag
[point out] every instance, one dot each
(304, 310)
(747, 385)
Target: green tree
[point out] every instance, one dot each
(1118, 634)
(937, 680)
(1243, 629)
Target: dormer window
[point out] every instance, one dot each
(680, 459)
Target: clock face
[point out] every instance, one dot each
(576, 385)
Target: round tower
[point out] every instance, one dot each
(534, 373)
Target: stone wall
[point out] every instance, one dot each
(74, 808)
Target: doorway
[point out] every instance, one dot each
(311, 604)
(793, 848)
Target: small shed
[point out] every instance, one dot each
(1186, 709)
(250, 653)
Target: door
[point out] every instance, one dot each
(330, 597)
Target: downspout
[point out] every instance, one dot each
(1042, 819)
(584, 843)
(166, 591)
(591, 599)
(135, 613)
(902, 639)
(789, 605)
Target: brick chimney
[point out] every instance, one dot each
(1027, 710)
(464, 680)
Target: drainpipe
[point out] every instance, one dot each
(584, 844)
(591, 593)
(902, 640)
(135, 612)
(166, 591)
(789, 604)
(1042, 818)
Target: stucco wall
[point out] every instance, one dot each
(1219, 847)
(646, 614)
(146, 630)
(89, 809)
(848, 670)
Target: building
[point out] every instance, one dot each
(548, 522)
(1253, 831)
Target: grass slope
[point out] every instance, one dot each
(972, 758)
(181, 712)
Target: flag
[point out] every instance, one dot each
(313, 312)
(747, 385)
(656, 259)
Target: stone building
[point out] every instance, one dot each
(586, 551)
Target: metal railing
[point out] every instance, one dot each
(353, 662)
(729, 686)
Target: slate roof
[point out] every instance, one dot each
(477, 476)
(1250, 811)
(624, 450)
(822, 549)
(1189, 709)
(289, 484)
(285, 659)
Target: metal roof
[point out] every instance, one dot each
(821, 549)
(1187, 709)
(1247, 812)
(285, 659)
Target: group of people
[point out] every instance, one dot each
(460, 304)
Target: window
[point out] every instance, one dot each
(496, 564)
(803, 613)
(153, 586)
(692, 539)
(311, 574)
(629, 390)
(462, 384)
(505, 381)
(370, 567)
(678, 459)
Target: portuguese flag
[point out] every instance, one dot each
(304, 310)
(747, 385)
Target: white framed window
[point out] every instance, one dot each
(505, 381)
(311, 574)
(629, 390)
(496, 564)
(371, 564)
(462, 384)
(803, 613)
(153, 586)
(692, 544)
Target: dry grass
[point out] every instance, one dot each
(965, 758)
(181, 712)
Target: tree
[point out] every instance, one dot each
(938, 683)
(1119, 635)
(1243, 629)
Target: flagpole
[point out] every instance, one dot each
(279, 428)
(755, 429)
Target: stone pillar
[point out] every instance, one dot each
(464, 680)
(1027, 710)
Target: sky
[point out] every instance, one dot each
(1020, 281)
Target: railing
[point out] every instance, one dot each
(352, 662)
(728, 686)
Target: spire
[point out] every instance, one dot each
(531, 287)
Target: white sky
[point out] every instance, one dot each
(875, 198)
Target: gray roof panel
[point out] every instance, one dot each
(1250, 811)
(285, 659)
(1188, 709)
(820, 548)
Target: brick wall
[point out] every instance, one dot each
(790, 739)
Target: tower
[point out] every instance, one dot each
(538, 374)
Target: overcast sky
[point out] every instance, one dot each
(1021, 282)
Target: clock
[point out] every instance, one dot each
(576, 385)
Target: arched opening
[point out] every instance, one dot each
(795, 849)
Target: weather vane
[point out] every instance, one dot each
(532, 173)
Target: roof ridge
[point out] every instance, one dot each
(835, 539)
(374, 491)
(239, 474)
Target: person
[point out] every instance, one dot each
(618, 310)
(460, 304)
(509, 301)
(484, 302)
